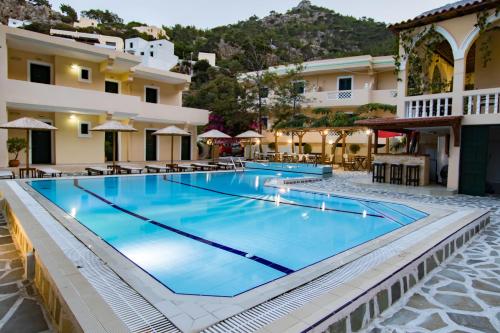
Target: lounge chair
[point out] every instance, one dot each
(204, 166)
(157, 168)
(225, 165)
(7, 174)
(130, 169)
(184, 167)
(98, 171)
(43, 172)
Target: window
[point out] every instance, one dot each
(142, 53)
(39, 72)
(112, 87)
(299, 86)
(131, 45)
(344, 83)
(265, 122)
(110, 43)
(84, 129)
(151, 53)
(151, 46)
(151, 94)
(85, 75)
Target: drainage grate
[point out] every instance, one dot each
(137, 313)
(263, 314)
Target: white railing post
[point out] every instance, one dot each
(495, 107)
(469, 105)
(478, 104)
(446, 101)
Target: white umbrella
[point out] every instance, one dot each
(114, 127)
(28, 124)
(250, 135)
(172, 131)
(214, 134)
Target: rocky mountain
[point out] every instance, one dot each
(306, 32)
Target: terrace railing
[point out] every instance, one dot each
(482, 102)
(427, 106)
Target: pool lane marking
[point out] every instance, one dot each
(244, 254)
(267, 200)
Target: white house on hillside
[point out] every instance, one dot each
(153, 31)
(157, 54)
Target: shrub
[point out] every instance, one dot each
(354, 148)
(307, 148)
(271, 146)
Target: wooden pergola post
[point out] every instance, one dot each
(344, 135)
(293, 146)
(369, 155)
(375, 147)
(324, 134)
(300, 134)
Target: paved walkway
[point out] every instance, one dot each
(20, 311)
(463, 295)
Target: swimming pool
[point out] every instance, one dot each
(304, 168)
(220, 234)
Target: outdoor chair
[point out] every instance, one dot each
(347, 163)
(157, 168)
(129, 169)
(7, 174)
(48, 172)
(98, 171)
(204, 166)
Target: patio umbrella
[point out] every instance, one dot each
(250, 135)
(214, 134)
(114, 127)
(172, 131)
(28, 124)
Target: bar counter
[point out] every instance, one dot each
(405, 159)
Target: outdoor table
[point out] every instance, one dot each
(27, 172)
(360, 162)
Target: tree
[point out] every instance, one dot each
(102, 16)
(227, 101)
(70, 12)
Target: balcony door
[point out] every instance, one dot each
(40, 72)
(186, 148)
(151, 145)
(41, 146)
(112, 87)
(344, 84)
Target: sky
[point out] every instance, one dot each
(211, 13)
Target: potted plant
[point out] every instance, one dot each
(15, 146)
(354, 148)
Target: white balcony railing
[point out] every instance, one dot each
(426, 106)
(336, 95)
(481, 102)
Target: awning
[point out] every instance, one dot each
(388, 134)
(405, 124)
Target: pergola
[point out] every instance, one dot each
(341, 132)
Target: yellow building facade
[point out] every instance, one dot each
(75, 86)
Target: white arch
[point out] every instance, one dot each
(472, 36)
(446, 35)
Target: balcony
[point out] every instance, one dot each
(348, 98)
(44, 97)
(428, 106)
(481, 102)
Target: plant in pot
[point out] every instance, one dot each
(15, 146)
(354, 148)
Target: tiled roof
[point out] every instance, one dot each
(434, 14)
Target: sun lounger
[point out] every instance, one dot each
(157, 168)
(42, 172)
(130, 169)
(204, 166)
(226, 165)
(98, 171)
(6, 174)
(184, 167)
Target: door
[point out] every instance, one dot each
(186, 148)
(345, 83)
(111, 87)
(40, 73)
(473, 159)
(151, 146)
(108, 146)
(41, 146)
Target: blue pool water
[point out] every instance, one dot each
(316, 169)
(220, 234)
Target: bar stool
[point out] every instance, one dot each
(378, 174)
(396, 176)
(413, 174)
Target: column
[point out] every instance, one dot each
(4, 156)
(453, 165)
(458, 87)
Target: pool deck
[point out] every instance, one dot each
(463, 293)
(214, 310)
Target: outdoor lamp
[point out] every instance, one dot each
(210, 142)
(330, 142)
(368, 132)
(289, 141)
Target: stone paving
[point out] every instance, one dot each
(20, 311)
(463, 295)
